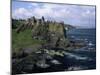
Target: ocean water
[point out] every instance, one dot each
(85, 34)
(85, 57)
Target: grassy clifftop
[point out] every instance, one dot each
(36, 33)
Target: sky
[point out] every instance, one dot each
(76, 15)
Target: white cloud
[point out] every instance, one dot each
(34, 4)
(21, 13)
(51, 11)
(88, 13)
(71, 14)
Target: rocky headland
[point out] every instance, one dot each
(50, 47)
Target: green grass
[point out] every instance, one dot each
(23, 40)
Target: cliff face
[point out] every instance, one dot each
(42, 27)
(53, 33)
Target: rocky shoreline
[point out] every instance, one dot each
(47, 56)
(42, 60)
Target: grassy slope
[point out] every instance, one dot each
(23, 40)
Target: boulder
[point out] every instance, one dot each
(42, 64)
(56, 62)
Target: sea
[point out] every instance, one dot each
(83, 58)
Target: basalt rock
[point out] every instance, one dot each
(53, 33)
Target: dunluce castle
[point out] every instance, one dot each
(53, 32)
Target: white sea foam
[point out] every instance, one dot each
(77, 57)
(76, 68)
(90, 44)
